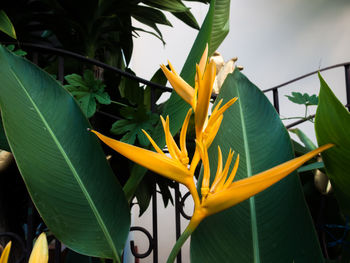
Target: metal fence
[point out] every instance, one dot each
(25, 245)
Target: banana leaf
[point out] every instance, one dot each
(332, 125)
(274, 226)
(62, 164)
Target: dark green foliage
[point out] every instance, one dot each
(304, 99)
(135, 120)
(88, 91)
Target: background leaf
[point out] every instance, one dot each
(332, 124)
(62, 164)
(6, 25)
(275, 225)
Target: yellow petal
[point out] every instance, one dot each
(181, 87)
(218, 171)
(153, 161)
(204, 58)
(40, 252)
(248, 187)
(211, 131)
(5, 253)
(183, 133)
(233, 173)
(206, 175)
(222, 177)
(218, 112)
(204, 93)
(155, 146)
(172, 147)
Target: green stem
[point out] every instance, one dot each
(119, 103)
(179, 243)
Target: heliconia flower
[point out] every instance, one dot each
(224, 194)
(159, 162)
(5, 253)
(40, 252)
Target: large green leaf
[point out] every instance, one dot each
(275, 225)
(62, 164)
(213, 32)
(6, 25)
(332, 124)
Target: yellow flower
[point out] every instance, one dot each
(40, 252)
(5, 253)
(173, 167)
(223, 193)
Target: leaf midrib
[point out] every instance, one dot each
(71, 166)
(253, 221)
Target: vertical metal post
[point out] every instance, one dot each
(57, 251)
(30, 228)
(154, 198)
(177, 218)
(35, 58)
(347, 84)
(155, 224)
(60, 74)
(276, 103)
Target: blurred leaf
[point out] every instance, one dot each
(62, 164)
(304, 99)
(131, 127)
(167, 5)
(188, 18)
(150, 17)
(4, 145)
(159, 78)
(6, 25)
(275, 225)
(332, 125)
(143, 194)
(87, 90)
(311, 166)
(309, 145)
(131, 90)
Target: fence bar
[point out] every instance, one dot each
(177, 218)
(60, 74)
(347, 84)
(276, 103)
(155, 224)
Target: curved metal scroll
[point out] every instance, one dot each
(150, 240)
(18, 240)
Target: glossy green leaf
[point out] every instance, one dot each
(167, 5)
(6, 25)
(213, 32)
(88, 91)
(332, 124)
(311, 166)
(309, 145)
(62, 164)
(273, 226)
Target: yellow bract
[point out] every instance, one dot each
(223, 193)
(40, 252)
(5, 254)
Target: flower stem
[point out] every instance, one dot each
(197, 217)
(179, 243)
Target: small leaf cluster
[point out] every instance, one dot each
(88, 91)
(303, 99)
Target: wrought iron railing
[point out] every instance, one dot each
(180, 198)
